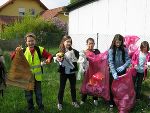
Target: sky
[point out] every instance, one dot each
(50, 4)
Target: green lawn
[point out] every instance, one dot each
(14, 100)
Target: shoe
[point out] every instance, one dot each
(96, 102)
(59, 106)
(82, 102)
(30, 110)
(41, 110)
(75, 104)
(111, 107)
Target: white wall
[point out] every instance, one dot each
(109, 17)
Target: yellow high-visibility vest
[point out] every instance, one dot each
(34, 62)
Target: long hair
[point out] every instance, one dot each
(113, 46)
(61, 46)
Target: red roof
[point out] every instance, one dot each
(11, 1)
(9, 19)
(49, 14)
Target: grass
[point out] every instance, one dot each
(14, 99)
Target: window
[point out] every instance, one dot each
(21, 11)
(32, 11)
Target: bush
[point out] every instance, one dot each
(46, 32)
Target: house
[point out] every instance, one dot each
(21, 7)
(102, 19)
(13, 9)
(55, 13)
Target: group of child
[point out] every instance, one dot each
(118, 62)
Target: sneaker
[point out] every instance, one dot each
(30, 111)
(81, 103)
(111, 107)
(59, 106)
(41, 110)
(75, 104)
(96, 102)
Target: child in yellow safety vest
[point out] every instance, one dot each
(33, 55)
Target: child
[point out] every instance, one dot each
(67, 70)
(90, 48)
(33, 55)
(119, 61)
(139, 62)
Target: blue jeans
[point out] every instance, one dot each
(38, 94)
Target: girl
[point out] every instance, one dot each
(139, 62)
(90, 48)
(118, 60)
(67, 70)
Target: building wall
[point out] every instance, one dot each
(110, 17)
(13, 9)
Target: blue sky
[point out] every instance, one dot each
(48, 3)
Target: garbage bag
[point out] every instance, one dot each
(20, 74)
(124, 93)
(96, 78)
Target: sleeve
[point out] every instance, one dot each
(127, 59)
(12, 55)
(111, 62)
(47, 55)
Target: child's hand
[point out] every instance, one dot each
(135, 66)
(48, 61)
(59, 57)
(18, 48)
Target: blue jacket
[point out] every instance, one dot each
(118, 60)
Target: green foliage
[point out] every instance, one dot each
(42, 29)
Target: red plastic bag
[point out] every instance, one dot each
(124, 93)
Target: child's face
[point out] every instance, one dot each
(118, 43)
(30, 41)
(144, 50)
(67, 43)
(90, 45)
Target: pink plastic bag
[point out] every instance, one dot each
(96, 78)
(95, 84)
(124, 93)
(130, 42)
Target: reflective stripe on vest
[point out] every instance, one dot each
(34, 63)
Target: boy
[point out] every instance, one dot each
(33, 55)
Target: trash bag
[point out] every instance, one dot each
(124, 93)
(130, 43)
(96, 78)
(20, 74)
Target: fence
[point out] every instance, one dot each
(102, 41)
(48, 40)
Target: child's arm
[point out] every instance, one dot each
(47, 55)
(12, 54)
